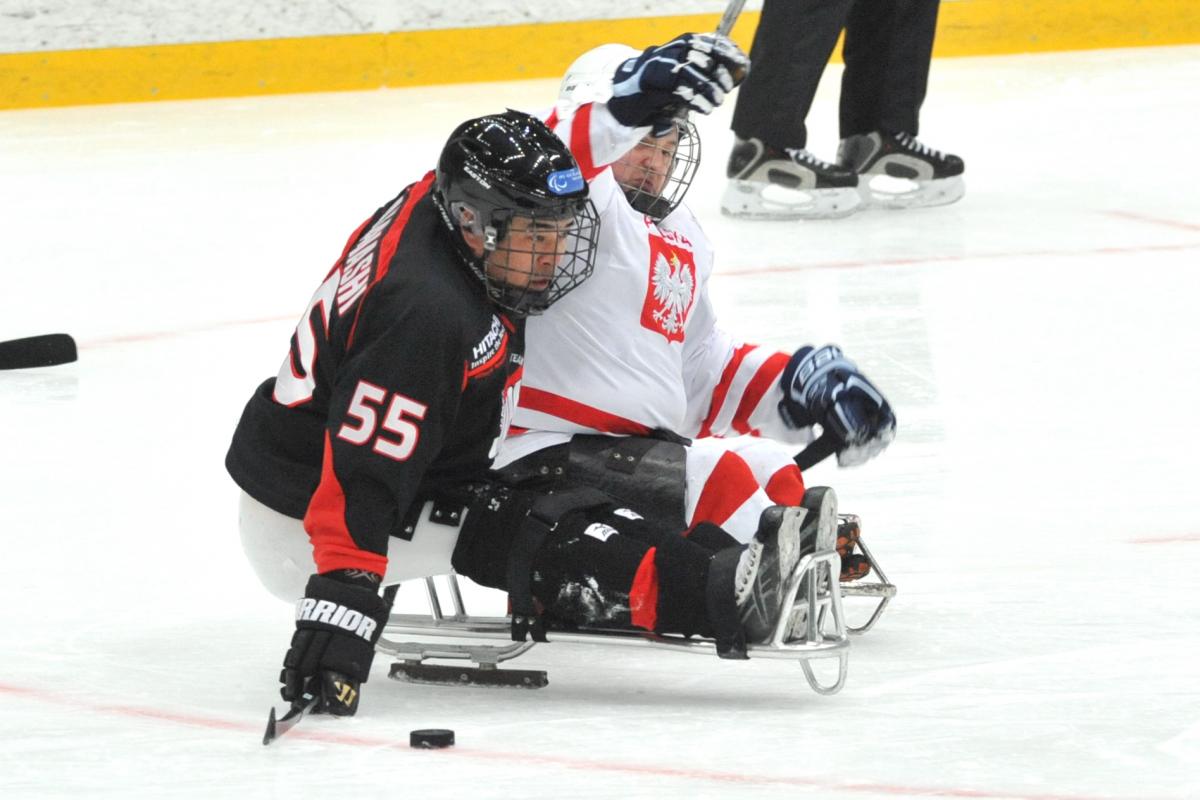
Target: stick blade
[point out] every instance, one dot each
(270, 734)
(47, 350)
(278, 727)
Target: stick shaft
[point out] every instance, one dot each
(730, 17)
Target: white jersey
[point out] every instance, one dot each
(637, 346)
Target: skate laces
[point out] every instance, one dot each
(914, 143)
(800, 155)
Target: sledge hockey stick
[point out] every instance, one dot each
(825, 446)
(730, 17)
(277, 728)
(47, 350)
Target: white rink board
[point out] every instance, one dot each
(1038, 340)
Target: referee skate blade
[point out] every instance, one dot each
(446, 675)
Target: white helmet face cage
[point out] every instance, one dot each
(589, 80)
(656, 174)
(532, 258)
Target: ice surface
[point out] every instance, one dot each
(1038, 511)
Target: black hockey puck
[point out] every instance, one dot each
(431, 738)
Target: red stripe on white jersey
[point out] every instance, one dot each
(722, 389)
(581, 142)
(766, 377)
(579, 413)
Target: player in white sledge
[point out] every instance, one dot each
(365, 460)
(630, 383)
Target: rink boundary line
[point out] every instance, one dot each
(916, 260)
(363, 61)
(712, 776)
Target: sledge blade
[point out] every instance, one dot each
(446, 675)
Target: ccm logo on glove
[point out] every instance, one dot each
(311, 610)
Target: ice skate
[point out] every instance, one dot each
(757, 574)
(769, 183)
(819, 535)
(899, 171)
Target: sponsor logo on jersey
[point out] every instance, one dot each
(310, 609)
(489, 347)
(565, 181)
(360, 261)
(671, 288)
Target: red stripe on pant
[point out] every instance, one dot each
(730, 484)
(786, 487)
(643, 594)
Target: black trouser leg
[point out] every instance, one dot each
(792, 45)
(889, 44)
(596, 569)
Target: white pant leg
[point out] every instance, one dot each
(767, 459)
(722, 489)
(728, 479)
(280, 553)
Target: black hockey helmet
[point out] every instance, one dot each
(513, 186)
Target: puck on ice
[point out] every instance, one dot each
(430, 738)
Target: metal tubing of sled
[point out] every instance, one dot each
(882, 588)
(500, 628)
(824, 634)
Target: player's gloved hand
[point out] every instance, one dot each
(338, 621)
(694, 71)
(823, 387)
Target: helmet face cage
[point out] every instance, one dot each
(533, 258)
(516, 203)
(661, 162)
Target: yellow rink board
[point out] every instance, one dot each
(462, 55)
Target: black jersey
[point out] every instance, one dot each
(399, 383)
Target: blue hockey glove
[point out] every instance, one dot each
(823, 387)
(693, 71)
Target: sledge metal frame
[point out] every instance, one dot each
(881, 587)
(813, 584)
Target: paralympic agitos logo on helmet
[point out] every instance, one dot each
(565, 181)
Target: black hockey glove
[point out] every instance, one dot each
(693, 72)
(337, 624)
(823, 387)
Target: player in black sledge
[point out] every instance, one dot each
(365, 461)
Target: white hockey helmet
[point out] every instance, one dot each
(589, 79)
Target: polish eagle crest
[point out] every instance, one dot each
(670, 293)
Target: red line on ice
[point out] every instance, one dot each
(312, 735)
(1169, 223)
(1175, 539)
(900, 262)
(736, 273)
